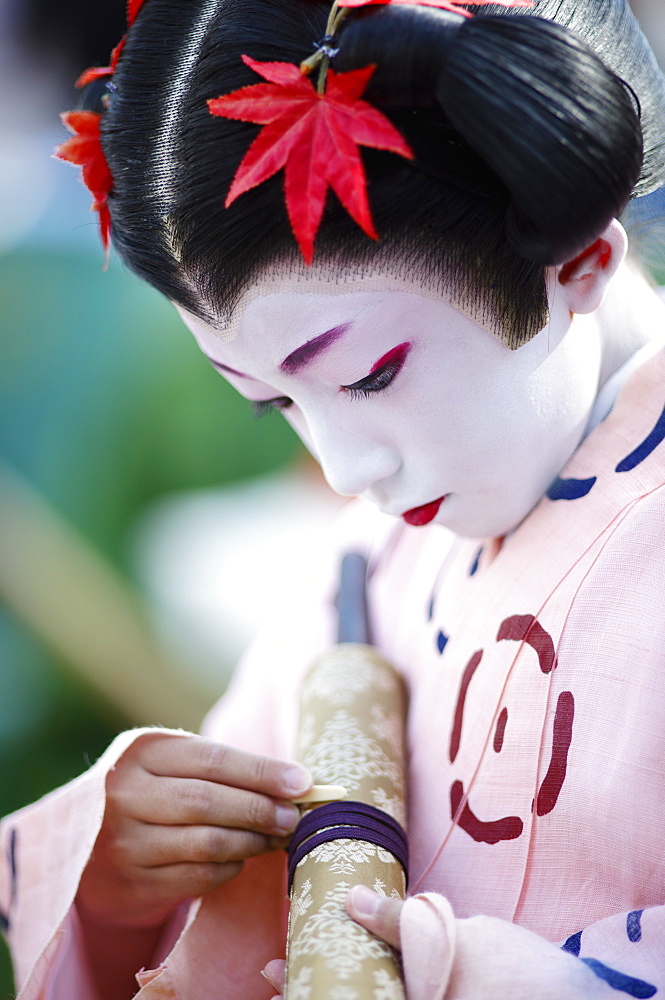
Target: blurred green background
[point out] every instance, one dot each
(106, 405)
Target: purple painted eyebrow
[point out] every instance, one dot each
(302, 355)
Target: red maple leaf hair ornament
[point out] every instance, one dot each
(97, 72)
(314, 136)
(84, 150)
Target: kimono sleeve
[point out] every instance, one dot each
(485, 957)
(45, 848)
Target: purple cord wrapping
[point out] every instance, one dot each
(347, 821)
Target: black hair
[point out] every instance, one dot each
(532, 127)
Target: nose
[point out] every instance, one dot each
(353, 459)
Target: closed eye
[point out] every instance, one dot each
(262, 406)
(382, 374)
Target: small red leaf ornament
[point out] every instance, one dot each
(84, 150)
(454, 6)
(93, 73)
(314, 137)
(133, 7)
(97, 72)
(117, 52)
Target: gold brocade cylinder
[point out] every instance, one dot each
(351, 733)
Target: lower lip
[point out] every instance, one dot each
(423, 515)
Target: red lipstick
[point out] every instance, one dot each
(423, 515)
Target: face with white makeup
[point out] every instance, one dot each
(409, 404)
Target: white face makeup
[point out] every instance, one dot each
(404, 401)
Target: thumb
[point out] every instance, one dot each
(379, 914)
(274, 972)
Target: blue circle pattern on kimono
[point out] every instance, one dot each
(573, 489)
(617, 980)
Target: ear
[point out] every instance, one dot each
(586, 277)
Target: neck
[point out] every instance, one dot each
(631, 316)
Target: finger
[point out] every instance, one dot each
(275, 973)
(208, 760)
(183, 801)
(379, 914)
(166, 845)
(188, 879)
(148, 845)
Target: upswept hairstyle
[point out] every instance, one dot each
(532, 127)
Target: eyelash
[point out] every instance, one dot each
(382, 374)
(261, 407)
(377, 381)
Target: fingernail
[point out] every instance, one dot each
(286, 818)
(297, 780)
(364, 901)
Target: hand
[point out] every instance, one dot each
(182, 814)
(379, 914)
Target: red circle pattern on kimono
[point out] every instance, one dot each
(519, 628)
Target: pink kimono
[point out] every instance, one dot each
(535, 668)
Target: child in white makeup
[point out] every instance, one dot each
(488, 376)
(371, 402)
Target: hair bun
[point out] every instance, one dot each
(407, 44)
(559, 129)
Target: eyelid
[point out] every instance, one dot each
(260, 407)
(223, 369)
(394, 358)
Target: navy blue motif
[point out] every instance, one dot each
(476, 561)
(634, 925)
(441, 641)
(644, 449)
(430, 608)
(570, 489)
(573, 943)
(11, 859)
(619, 980)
